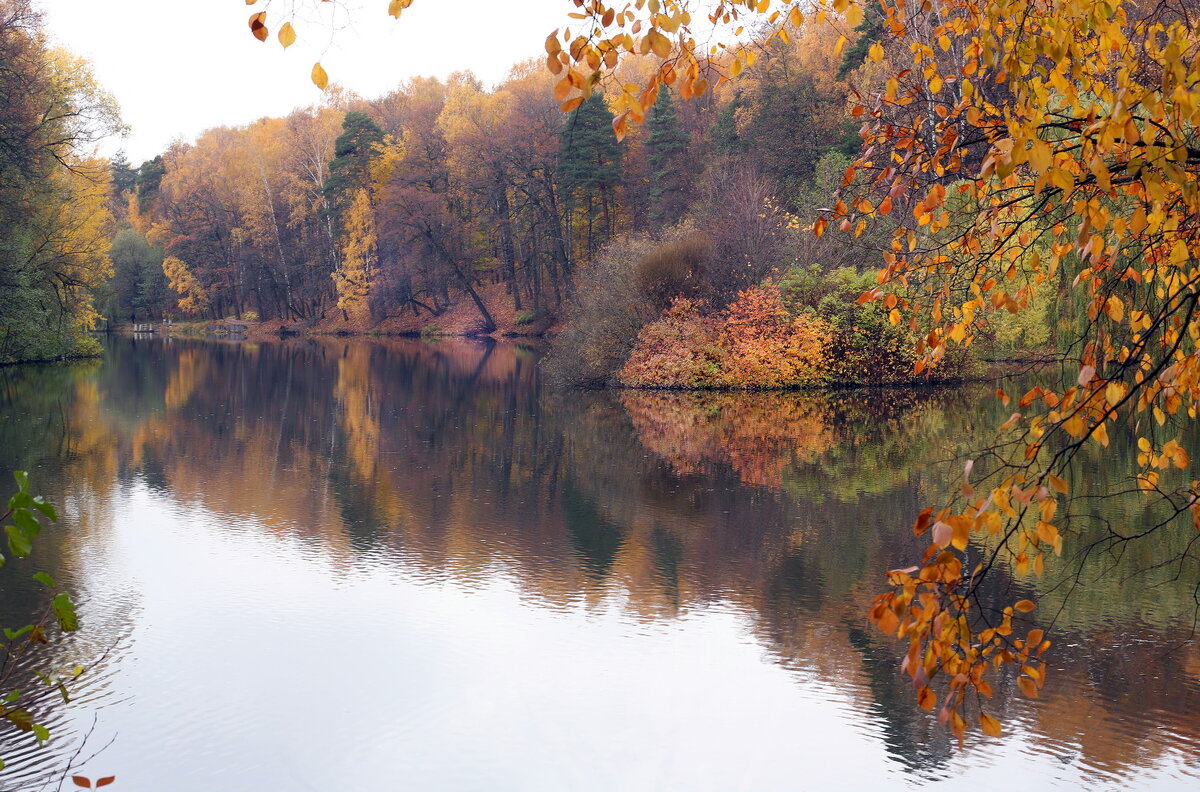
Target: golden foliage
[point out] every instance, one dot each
(352, 278)
(193, 297)
(758, 440)
(753, 343)
(1064, 125)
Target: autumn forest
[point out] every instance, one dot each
(862, 333)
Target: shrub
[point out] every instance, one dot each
(673, 269)
(753, 343)
(610, 311)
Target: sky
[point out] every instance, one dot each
(178, 67)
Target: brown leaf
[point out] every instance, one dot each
(258, 25)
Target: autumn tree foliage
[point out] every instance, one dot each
(1009, 148)
(753, 343)
(353, 277)
(54, 196)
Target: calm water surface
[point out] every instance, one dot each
(344, 565)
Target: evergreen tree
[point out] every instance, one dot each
(725, 137)
(149, 177)
(669, 175)
(589, 169)
(124, 177)
(349, 171)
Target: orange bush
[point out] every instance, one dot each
(752, 343)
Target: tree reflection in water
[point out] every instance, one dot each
(458, 459)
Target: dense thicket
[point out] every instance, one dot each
(54, 218)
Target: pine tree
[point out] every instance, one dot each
(589, 168)
(124, 177)
(350, 169)
(669, 177)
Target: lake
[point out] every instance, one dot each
(341, 564)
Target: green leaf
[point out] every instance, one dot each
(22, 480)
(41, 732)
(45, 580)
(13, 635)
(12, 696)
(64, 610)
(45, 508)
(20, 500)
(27, 523)
(18, 543)
(21, 718)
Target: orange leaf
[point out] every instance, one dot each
(258, 26)
(1028, 687)
(990, 726)
(1025, 606)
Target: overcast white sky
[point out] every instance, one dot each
(178, 67)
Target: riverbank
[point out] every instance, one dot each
(460, 319)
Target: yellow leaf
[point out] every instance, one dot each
(854, 16)
(875, 53)
(319, 77)
(1115, 308)
(1114, 392)
(990, 726)
(659, 43)
(287, 35)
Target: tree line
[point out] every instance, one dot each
(445, 192)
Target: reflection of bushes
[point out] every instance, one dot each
(757, 435)
(811, 445)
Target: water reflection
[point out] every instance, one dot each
(420, 561)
